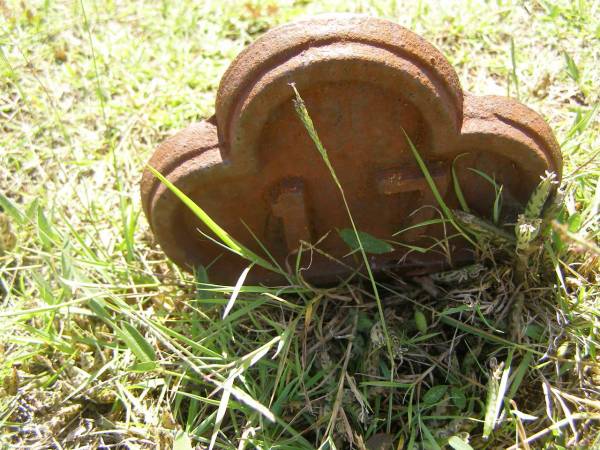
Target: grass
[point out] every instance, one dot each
(105, 344)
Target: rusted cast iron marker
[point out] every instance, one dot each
(365, 81)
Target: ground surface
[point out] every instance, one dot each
(104, 344)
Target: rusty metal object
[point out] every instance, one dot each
(253, 168)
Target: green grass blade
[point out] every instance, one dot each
(12, 210)
(226, 387)
(140, 347)
(458, 443)
(457, 188)
(431, 183)
(302, 113)
(236, 291)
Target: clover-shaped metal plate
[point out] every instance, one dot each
(366, 82)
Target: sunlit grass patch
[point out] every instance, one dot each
(104, 342)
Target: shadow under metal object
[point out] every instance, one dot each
(365, 81)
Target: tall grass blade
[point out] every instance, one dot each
(304, 117)
(236, 290)
(12, 210)
(436, 193)
(226, 386)
(141, 348)
(457, 188)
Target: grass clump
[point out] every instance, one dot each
(104, 343)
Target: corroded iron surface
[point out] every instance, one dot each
(253, 168)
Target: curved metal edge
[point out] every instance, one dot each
(284, 42)
(338, 62)
(508, 118)
(170, 154)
